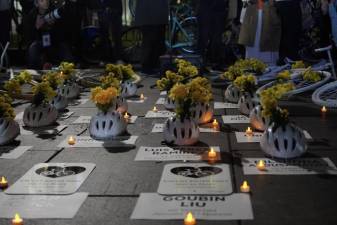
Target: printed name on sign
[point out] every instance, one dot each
(177, 153)
(242, 137)
(235, 119)
(301, 166)
(152, 206)
(88, 142)
(225, 105)
(160, 101)
(159, 114)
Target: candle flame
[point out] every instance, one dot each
(189, 217)
(17, 218)
(249, 131)
(3, 180)
(324, 109)
(245, 184)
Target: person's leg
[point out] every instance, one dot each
(104, 24)
(216, 46)
(149, 35)
(291, 25)
(158, 46)
(35, 55)
(203, 40)
(116, 30)
(63, 53)
(5, 25)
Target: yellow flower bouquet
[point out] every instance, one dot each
(246, 83)
(298, 65)
(120, 72)
(198, 90)
(53, 78)
(110, 81)
(311, 76)
(269, 99)
(67, 71)
(104, 98)
(42, 93)
(244, 66)
(6, 109)
(13, 86)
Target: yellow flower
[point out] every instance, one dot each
(298, 65)
(245, 83)
(13, 87)
(53, 78)
(24, 77)
(200, 90)
(186, 68)
(67, 67)
(167, 82)
(179, 92)
(120, 72)
(42, 93)
(104, 98)
(284, 75)
(109, 81)
(6, 109)
(269, 97)
(311, 76)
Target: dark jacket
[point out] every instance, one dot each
(212, 6)
(151, 12)
(114, 5)
(31, 34)
(271, 28)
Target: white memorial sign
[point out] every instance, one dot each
(50, 130)
(193, 153)
(41, 206)
(88, 142)
(65, 115)
(163, 93)
(9, 152)
(139, 100)
(159, 114)
(160, 101)
(235, 119)
(52, 179)
(86, 120)
(225, 105)
(159, 128)
(195, 178)
(242, 137)
(300, 166)
(152, 206)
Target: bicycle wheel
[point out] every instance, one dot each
(326, 95)
(186, 36)
(132, 43)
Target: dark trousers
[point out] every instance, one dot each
(153, 45)
(211, 28)
(5, 27)
(38, 56)
(291, 25)
(111, 20)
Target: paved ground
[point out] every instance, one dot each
(117, 181)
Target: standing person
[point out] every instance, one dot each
(329, 7)
(5, 22)
(110, 19)
(261, 32)
(152, 18)
(211, 20)
(291, 22)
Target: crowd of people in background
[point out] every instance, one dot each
(270, 30)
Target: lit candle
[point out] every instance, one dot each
(215, 124)
(189, 219)
(245, 187)
(261, 165)
(155, 109)
(178, 1)
(71, 140)
(249, 131)
(3, 183)
(324, 109)
(142, 96)
(126, 117)
(17, 220)
(211, 154)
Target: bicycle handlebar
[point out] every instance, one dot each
(323, 49)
